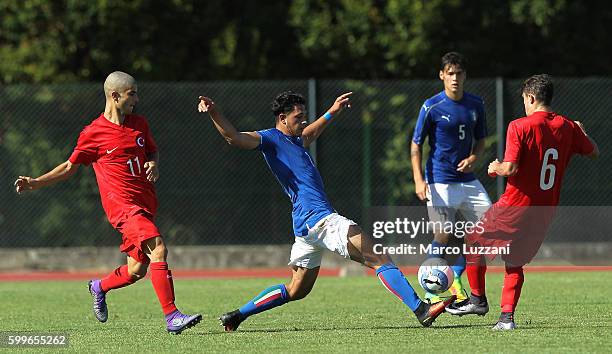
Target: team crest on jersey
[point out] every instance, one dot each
(140, 141)
(473, 114)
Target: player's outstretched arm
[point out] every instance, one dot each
(314, 129)
(420, 187)
(59, 173)
(242, 140)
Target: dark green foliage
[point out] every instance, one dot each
(68, 40)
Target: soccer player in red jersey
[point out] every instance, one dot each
(538, 150)
(124, 156)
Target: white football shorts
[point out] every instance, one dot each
(468, 198)
(329, 233)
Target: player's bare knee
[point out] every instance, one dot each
(372, 260)
(297, 292)
(160, 253)
(366, 256)
(354, 230)
(158, 250)
(299, 288)
(136, 276)
(137, 271)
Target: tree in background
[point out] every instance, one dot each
(403, 38)
(59, 41)
(182, 40)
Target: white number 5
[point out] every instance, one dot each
(461, 131)
(553, 154)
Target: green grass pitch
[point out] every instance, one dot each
(558, 312)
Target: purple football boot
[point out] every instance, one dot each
(99, 300)
(177, 322)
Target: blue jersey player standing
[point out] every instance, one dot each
(316, 225)
(454, 122)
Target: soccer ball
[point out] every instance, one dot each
(435, 275)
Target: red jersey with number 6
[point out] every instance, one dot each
(118, 154)
(542, 145)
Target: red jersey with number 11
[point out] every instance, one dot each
(118, 154)
(542, 145)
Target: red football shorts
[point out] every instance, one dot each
(521, 229)
(135, 230)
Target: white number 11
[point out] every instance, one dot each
(131, 164)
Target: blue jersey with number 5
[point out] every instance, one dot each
(452, 127)
(294, 169)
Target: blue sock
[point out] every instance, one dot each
(459, 266)
(394, 281)
(436, 250)
(270, 298)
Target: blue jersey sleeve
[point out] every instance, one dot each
(267, 139)
(480, 130)
(422, 126)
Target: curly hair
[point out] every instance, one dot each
(285, 101)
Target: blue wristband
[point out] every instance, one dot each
(327, 116)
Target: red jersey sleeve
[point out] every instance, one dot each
(581, 143)
(150, 145)
(86, 150)
(513, 144)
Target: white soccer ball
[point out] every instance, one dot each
(435, 275)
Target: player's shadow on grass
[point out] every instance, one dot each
(327, 329)
(539, 326)
(463, 326)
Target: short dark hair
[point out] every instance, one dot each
(453, 58)
(540, 86)
(285, 101)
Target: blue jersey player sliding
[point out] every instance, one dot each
(454, 122)
(316, 225)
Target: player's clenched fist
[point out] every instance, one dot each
(206, 104)
(24, 183)
(492, 170)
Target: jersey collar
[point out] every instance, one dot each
(544, 114)
(451, 100)
(110, 124)
(293, 139)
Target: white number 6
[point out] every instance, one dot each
(553, 154)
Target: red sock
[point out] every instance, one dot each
(117, 279)
(161, 278)
(513, 283)
(476, 268)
